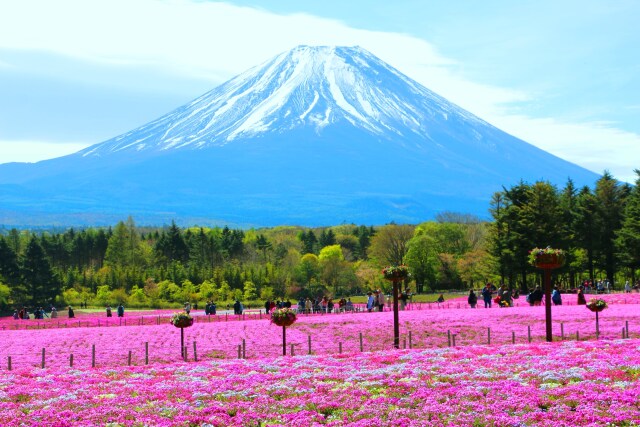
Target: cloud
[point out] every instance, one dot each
(216, 40)
(34, 151)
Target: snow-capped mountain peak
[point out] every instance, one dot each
(310, 87)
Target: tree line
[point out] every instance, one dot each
(599, 228)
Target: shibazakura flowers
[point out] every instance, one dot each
(181, 320)
(597, 305)
(546, 257)
(283, 317)
(395, 272)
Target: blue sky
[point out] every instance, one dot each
(562, 75)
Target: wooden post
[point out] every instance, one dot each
(340, 347)
(309, 343)
(404, 343)
(410, 341)
(597, 326)
(195, 352)
(129, 359)
(396, 318)
(529, 332)
(186, 357)
(453, 339)
(577, 335)
(146, 353)
(547, 303)
(448, 338)
(71, 360)
(361, 346)
(623, 335)
(244, 348)
(239, 351)
(93, 355)
(291, 351)
(182, 343)
(513, 337)
(626, 327)
(9, 363)
(488, 336)
(562, 331)
(42, 364)
(284, 340)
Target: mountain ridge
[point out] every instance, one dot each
(314, 136)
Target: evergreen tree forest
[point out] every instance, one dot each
(599, 227)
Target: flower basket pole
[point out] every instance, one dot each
(547, 259)
(395, 275)
(181, 321)
(284, 321)
(597, 309)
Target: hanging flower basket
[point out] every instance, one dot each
(597, 305)
(283, 317)
(547, 258)
(396, 272)
(181, 320)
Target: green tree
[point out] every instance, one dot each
(41, 282)
(610, 200)
(250, 291)
(628, 236)
(389, 245)
(422, 260)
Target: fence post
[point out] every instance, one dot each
(129, 359)
(146, 353)
(291, 352)
(309, 342)
(448, 338)
(577, 335)
(562, 331)
(410, 341)
(195, 352)
(623, 335)
(42, 364)
(529, 333)
(513, 337)
(361, 347)
(71, 360)
(93, 355)
(9, 363)
(239, 351)
(488, 336)
(244, 348)
(340, 347)
(626, 327)
(453, 339)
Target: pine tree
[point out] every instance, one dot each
(41, 283)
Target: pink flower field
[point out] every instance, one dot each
(564, 383)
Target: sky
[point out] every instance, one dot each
(561, 75)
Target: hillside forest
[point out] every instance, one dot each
(598, 226)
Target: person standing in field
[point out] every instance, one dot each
(486, 296)
(581, 298)
(556, 298)
(120, 310)
(381, 300)
(109, 311)
(370, 302)
(473, 299)
(71, 313)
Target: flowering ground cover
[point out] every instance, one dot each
(220, 336)
(586, 383)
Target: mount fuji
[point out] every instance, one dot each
(314, 136)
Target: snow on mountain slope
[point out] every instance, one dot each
(315, 136)
(304, 87)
